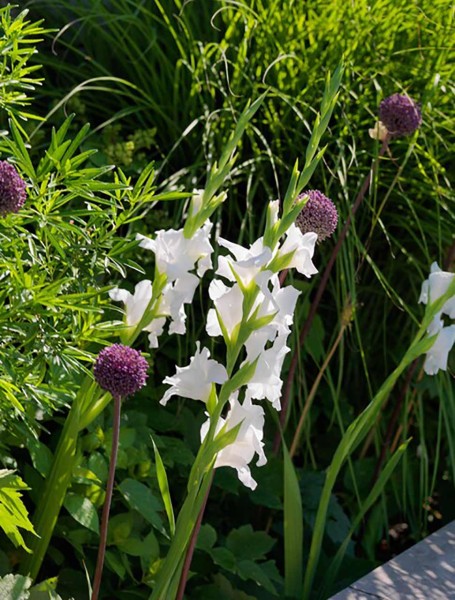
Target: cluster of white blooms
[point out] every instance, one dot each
(175, 257)
(250, 310)
(433, 288)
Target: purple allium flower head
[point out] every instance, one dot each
(400, 114)
(12, 189)
(120, 370)
(319, 215)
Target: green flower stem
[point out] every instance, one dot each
(169, 576)
(108, 499)
(53, 497)
(87, 405)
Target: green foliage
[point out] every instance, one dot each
(18, 39)
(13, 514)
(166, 82)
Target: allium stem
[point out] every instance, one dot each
(108, 499)
(192, 545)
(322, 285)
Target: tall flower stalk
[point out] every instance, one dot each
(122, 371)
(253, 314)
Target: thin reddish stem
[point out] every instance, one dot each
(108, 499)
(191, 546)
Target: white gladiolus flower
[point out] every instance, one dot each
(176, 255)
(195, 381)
(302, 244)
(228, 302)
(247, 264)
(437, 285)
(135, 304)
(266, 381)
(437, 355)
(282, 301)
(240, 453)
(433, 288)
(174, 296)
(279, 302)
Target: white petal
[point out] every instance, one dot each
(248, 263)
(438, 354)
(266, 381)
(195, 380)
(436, 286)
(228, 303)
(119, 295)
(156, 329)
(240, 453)
(146, 242)
(176, 255)
(135, 304)
(303, 247)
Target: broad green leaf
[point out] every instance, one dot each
(248, 544)
(250, 570)
(83, 511)
(140, 498)
(40, 454)
(206, 538)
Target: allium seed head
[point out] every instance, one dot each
(400, 114)
(12, 189)
(120, 370)
(319, 215)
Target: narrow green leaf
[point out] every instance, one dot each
(293, 530)
(164, 488)
(377, 489)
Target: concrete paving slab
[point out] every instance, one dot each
(424, 572)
